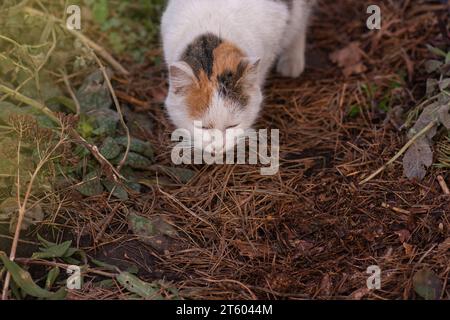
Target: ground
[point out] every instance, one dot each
(312, 230)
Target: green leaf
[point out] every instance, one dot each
(8, 109)
(63, 101)
(436, 51)
(45, 242)
(106, 122)
(432, 65)
(9, 209)
(431, 86)
(354, 111)
(55, 251)
(110, 149)
(427, 284)
(153, 231)
(138, 146)
(148, 227)
(135, 161)
(444, 83)
(51, 277)
(105, 284)
(94, 93)
(117, 191)
(100, 11)
(182, 174)
(134, 284)
(85, 127)
(91, 185)
(105, 265)
(23, 279)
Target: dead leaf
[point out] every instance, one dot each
(155, 231)
(349, 59)
(359, 294)
(409, 249)
(417, 159)
(420, 156)
(427, 284)
(432, 65)
(325, 285)
(403, 235)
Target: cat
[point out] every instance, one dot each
(219, 53)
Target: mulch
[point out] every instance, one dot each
(310, 231)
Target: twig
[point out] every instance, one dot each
(106, 223)
(399, 210)
(72, 94)
(443, 185)
(28, 101)
(132, 100)
(100, 158)
(402, 151)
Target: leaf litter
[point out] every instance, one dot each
(218, 208)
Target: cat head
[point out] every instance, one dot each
(224, 97)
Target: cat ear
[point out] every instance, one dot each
(181, 76)
(252, 63)
(250, 70)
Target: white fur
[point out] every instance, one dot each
(262, 29)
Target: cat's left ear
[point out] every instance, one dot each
(250, 69)
(181, 76)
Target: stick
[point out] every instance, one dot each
(443, 185)
(28, 101)
(72, 94)
(399, 210)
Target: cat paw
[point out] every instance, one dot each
(291, 66)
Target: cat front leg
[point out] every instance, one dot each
(291, 62)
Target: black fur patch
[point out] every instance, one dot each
(199, 54)
(231, 85)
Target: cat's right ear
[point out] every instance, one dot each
(181, 76)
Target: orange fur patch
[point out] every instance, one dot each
(227, 58)
(199, 95)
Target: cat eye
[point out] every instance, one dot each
(232, 127)
(204, 127)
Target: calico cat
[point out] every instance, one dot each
(219, 53)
